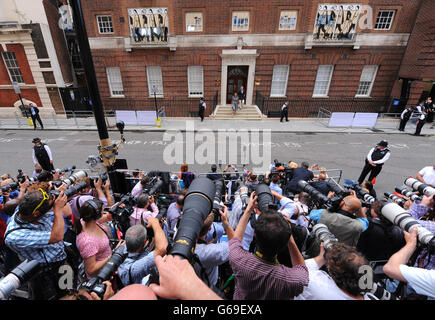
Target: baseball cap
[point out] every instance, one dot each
(383, 143)
(36, 140)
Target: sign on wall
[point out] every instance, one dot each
(336, 22)
(149, 25)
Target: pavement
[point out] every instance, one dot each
(305, 125)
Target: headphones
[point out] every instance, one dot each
(97, 209)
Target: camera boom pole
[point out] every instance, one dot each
(106, 150)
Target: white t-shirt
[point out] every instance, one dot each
(320, 286)
(428, 174)
(421, 280)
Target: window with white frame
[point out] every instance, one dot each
(105, 24)
(155, 82)
(115, 82)
(288, 19)
(12, 65)
(323, 80)
(384, 19)
(366, 81)
(195, 80)
(279, 81)
(240, 21)
(194, 21)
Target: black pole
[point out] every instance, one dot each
(85, 54)
(22, 105)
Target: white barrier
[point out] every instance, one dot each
(136, 117)
(353, 119)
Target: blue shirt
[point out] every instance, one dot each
(33, 244)
(215, 227)
(138, 265)
(288, 207)
(211, 256)
(173, 215)
(316, 215)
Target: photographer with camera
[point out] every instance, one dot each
(341, 279)
(36, 232)
(139, 187)
(259, 276)
(211, 255)
(174, 212)
(88, 193)
(141, 210)
(421, 280)
(304, 172)
(382, 238)
(92, 239)
(427, 175)
(140, 259)
(347, 222)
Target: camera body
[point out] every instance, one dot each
(11, 186)
(103, 176)
(107, 271)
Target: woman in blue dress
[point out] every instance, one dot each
(235, 103)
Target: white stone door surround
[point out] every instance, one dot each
(238, 57)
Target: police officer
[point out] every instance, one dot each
(202, 107)
(374, 161)
(421, 119)
(404, 118)
(284, 111)
(41, 155)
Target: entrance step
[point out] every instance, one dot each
(248, 112)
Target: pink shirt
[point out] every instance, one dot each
(90, 245)
(138, 212)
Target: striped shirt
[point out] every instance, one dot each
(259, 280)
(418, 211)
(33, 244)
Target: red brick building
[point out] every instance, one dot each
(34, 54)
(340, 55)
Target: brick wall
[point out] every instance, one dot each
(264, 15)
(419, 59)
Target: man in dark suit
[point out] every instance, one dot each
(34, 113)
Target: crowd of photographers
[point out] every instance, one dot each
(291, 233)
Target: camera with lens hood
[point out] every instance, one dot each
(17, 277)
(400, 217)
(322, 233)
(107, 271)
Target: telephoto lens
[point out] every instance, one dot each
(265, 198)
(313, 192)
(420, 187)
(407, 193)
(156, 187)
(198, 203)
(400, 201)
(361, 193)
(399, 217)
(70, 180)
(17, 277)
(322, 233)
(71, 191)
(219, 184)
(244, 196)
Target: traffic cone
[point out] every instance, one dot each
(374, 181)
